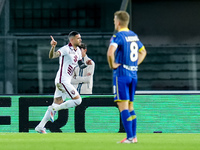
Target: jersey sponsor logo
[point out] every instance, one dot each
(131, 68)
(131, 38)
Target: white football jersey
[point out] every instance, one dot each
(68, 60)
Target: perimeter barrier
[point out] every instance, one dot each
(166, 112)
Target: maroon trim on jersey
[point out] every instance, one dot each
(59, 52)
(70, 45)
(75, 103)
(61, 69)
(67, 91)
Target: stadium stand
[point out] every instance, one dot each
(169, 65)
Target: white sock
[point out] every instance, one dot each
(68, 104)
(45, 119)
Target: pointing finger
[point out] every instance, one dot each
(52, 38)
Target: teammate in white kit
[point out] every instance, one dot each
(69, 57)
(83, 78)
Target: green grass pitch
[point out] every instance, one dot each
(97, 141)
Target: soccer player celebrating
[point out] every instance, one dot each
(124, 55)
(69, 57)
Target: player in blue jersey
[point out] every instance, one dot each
(124, 55)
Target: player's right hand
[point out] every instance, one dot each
(53, 42)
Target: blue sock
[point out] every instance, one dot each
(134, 122)
(127, 122)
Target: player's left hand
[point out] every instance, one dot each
(89, 62)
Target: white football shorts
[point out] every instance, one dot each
(65, 90)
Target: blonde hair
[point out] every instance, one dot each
(123, 17)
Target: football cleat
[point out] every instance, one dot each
(52, 113)
(135, 140)
(125, 140)
(41, 130)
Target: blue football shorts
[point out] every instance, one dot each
(124, 88)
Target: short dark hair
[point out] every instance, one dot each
(83, 45)
(73, 34)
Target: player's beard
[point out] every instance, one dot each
(78, 44)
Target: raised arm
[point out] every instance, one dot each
(84, 79)
(52, 53)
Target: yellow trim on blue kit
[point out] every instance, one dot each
(141, 48)
(124, 29)
(119, 100)
(131, 118)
